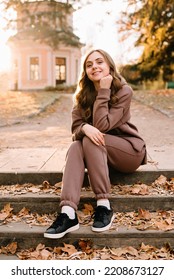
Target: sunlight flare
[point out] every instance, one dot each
(5, 58)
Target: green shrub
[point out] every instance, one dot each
(62, 88)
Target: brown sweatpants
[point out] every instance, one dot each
(117, 153)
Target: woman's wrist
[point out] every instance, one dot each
(83, 127)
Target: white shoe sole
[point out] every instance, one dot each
(103, 228)
(60, 235)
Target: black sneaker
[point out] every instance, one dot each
(103, 218)
(62, 225)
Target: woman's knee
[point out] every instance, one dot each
(75, 147)
(88, 144)
(86, 141)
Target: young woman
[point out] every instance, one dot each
(102, 137)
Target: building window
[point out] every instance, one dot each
(34, 68)
(60, 70)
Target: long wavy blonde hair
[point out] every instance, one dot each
(85, 94)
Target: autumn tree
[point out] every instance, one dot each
(50, 24)
(44, 21)
(153, 23)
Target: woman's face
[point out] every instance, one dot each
(96, 67)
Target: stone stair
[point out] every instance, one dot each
(30, 236)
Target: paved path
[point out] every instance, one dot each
(39, 144)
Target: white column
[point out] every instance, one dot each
(50, 69)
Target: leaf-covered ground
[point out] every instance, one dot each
(84, 249)
(161, 186)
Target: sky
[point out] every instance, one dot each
(93, 26)
(5, 55)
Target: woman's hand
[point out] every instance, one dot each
(106, 81)
(94, 134)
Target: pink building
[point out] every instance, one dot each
(37, 65)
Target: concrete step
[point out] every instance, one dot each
(22, 165)
(35, 165)
(30, 236)
(49, 203)
(144, 175)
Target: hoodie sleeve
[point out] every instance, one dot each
(77, 124)
(105, 118)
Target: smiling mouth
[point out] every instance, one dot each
(96, 73)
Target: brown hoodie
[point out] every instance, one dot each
(114, 120)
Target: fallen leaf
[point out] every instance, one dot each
(5, 212)
(125, 250)
(162, 225)
(143, 214)
(161, 181)
(57, 250)
(23, 212)
(163, 255)
(145, 226)
(168, 221)
(88, 209)
(10, 248)
(46, 184)
(164, 213)
(85, 246)
(35, 255)
(140, 189)
(143, 256)
(7, 208)
(3, 216)
(147, 248)
(45, 254)
(34, 190)
(40, 246)
(117, 251)
(69, 249)
(105, 256)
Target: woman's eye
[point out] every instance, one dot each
(99, 62)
